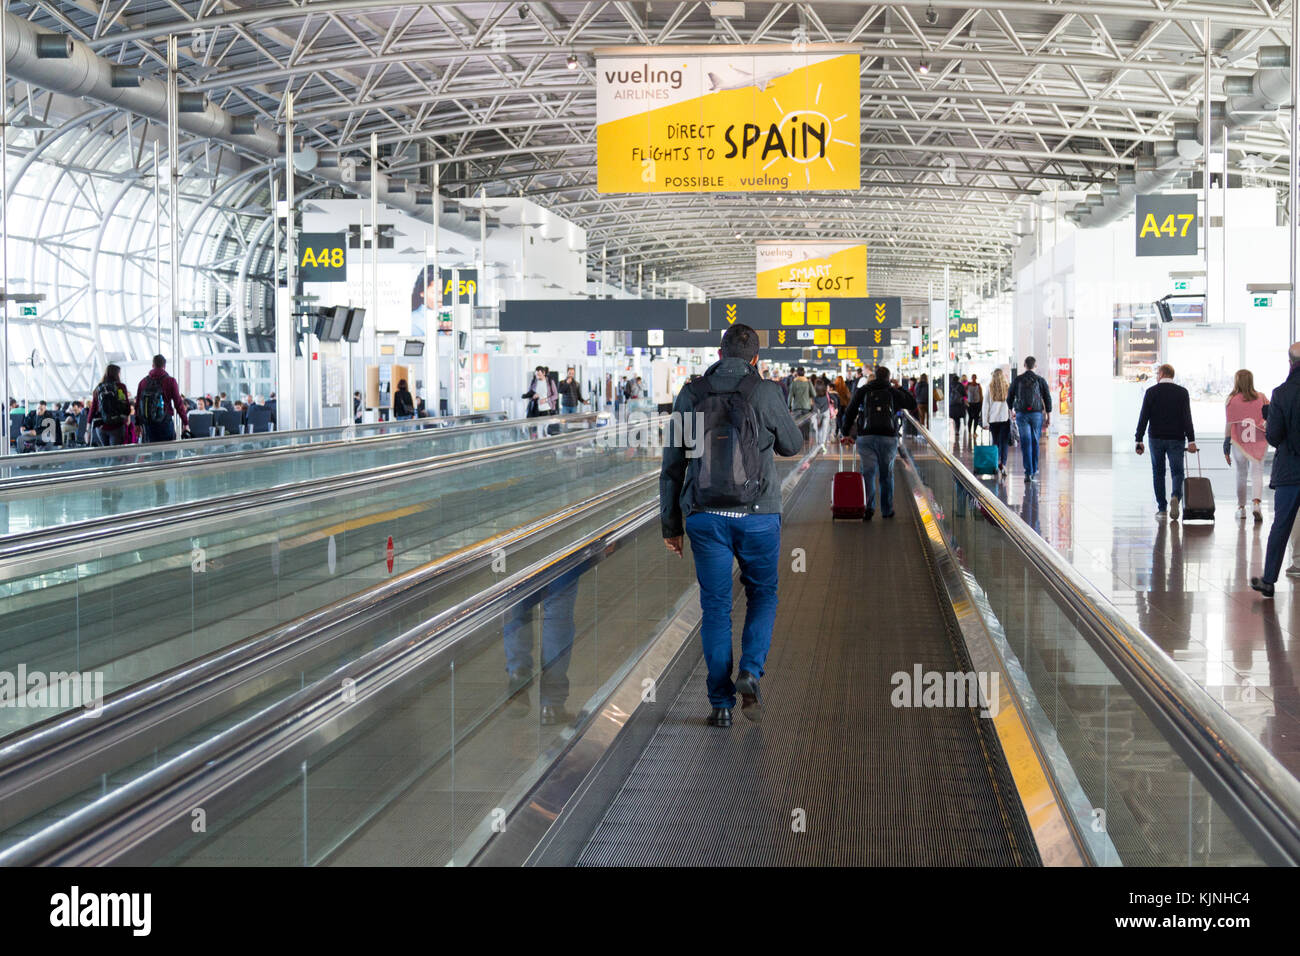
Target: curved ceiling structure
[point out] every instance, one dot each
(970, 108)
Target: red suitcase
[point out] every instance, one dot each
(848, 493)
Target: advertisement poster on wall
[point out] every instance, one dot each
(819, 268)
(727, 119)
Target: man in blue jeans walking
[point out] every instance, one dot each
(1031, 400)
(1282, 429)
(157, 400)
(1167, 412)
(718, 485)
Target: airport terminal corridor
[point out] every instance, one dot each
(401, 398)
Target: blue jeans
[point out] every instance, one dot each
(1031, 426)
(755, 542)
(1171, 449)
(1286, 504)
(877, 453)
(569, 409)
(557, 600)
(160, 431)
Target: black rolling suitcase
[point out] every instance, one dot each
(1198, 496)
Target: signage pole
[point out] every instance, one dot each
(1294, 156)
(157, 249)
(361, 270)
(454, 402)
(374, 252)
(173, 199)
(1207, 147)
(286, 344)
(432, 324)
(478, 296)
(946, 350)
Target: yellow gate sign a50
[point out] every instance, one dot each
(732, 119)
(1166, 224)
(814, 268)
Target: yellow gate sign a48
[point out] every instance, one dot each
(732, 119)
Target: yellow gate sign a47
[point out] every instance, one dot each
(1167, 224)
(727, 119)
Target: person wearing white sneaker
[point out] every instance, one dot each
(1244, 444)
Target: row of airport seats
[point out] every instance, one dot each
(224, 421)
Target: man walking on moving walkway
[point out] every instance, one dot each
(718, 485)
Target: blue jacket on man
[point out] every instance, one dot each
(1280, 426)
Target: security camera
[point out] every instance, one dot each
(931, 16)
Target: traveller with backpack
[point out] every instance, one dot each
(1031, 403)
(110, 410)
(870, 416)
(956, 407)
(157, 399)
(718, 485)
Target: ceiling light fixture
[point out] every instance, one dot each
(924, 67)
(572, 61)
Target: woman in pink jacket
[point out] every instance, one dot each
(1244, 444)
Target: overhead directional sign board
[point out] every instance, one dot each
(583, 315)
(818, 337)
(323, 256)
(858, 313)
(727, 119)
(1166, 224)
(816, 268)
(967, 328)
(676, 339)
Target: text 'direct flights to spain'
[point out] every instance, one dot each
(734, 119)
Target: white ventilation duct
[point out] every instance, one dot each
(55, 62)
(1250, 100)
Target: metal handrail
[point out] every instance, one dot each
(27, 544)
(37, 760)
(223, 461)
(127, 451)
(1232, 762)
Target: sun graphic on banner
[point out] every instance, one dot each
(803, 125)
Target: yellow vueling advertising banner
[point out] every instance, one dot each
(814, 269)
(741, 119)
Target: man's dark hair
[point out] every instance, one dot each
(798, 370)
(1030, 363)
(540, 368)
(882, 374)
(740, 341)
(159, 362)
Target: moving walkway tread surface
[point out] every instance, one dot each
(878, 785)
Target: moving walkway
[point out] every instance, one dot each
(148, 593)
(1089, 748)
(49, 501)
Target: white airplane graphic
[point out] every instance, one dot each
(734, 78)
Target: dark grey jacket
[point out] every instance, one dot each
(1282, 429)
(777, 432)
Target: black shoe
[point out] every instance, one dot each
(868, 515)
(721, 717)
(1262, 586)
(517, 702)
(750, 705)
(552, 715)
(890, 515)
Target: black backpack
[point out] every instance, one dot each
(876, 416)
(728, 470)
(1028, 396)
(111, 404)
(153, 402)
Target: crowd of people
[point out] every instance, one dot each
(117, 414)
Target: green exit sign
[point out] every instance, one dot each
(29, 310)
(198, 324)
(1262, 301)
(1180, 285)
(955, 314)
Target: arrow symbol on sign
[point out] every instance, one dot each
(731, 312)
(780, 336)
(880, 312)
(877, 335)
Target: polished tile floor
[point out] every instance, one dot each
(1185, 585)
